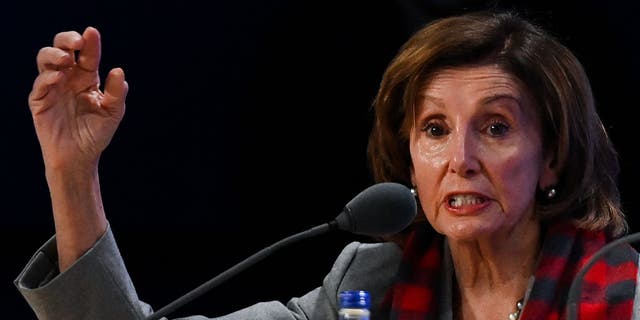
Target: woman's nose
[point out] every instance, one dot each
(463, 154)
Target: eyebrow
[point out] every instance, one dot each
(437, 101)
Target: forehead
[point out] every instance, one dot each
(478, 80)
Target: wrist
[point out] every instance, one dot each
(77, 167)
(71, 172)
(77, 209)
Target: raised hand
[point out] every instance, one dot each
(75, 122)
(74, 119)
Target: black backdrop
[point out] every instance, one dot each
(247, 122)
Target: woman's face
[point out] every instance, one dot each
(477, 153)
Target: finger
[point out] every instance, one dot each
(43, 83)
(43, 93)
(50, 58)
(68, 41)
(89, 55)
(115, 91)
(39, 106)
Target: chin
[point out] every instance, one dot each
(467, 231)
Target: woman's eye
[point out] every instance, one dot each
(498, 129)
(434, 129)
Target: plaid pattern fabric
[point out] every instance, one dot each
(607, 293)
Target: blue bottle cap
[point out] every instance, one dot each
(355, 299)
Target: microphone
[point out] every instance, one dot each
(576, 284)
(381, 209)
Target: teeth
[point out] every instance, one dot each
(464, 200)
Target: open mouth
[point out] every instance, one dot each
(461, 200)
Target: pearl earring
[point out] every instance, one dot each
(414, 192)
(551, 193)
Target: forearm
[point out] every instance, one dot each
(78, 211)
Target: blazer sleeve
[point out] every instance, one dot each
(97, 286)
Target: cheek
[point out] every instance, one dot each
(429, 160)
(517, 178)
(428, 155)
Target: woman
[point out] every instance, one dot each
(494, 123)
(489, 119)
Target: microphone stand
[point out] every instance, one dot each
(318, 230)
(572, 299)
(356, 217)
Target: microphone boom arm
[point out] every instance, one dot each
(383, 208)
(256, 257)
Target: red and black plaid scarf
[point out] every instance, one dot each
(607, 293)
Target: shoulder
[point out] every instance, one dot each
(364, 266)
(359, 254)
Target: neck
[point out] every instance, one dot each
(497, 259)
(494, 272)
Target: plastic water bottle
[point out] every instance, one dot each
(354, 305)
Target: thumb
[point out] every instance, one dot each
(115, 92)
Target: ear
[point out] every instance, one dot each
(549, 173)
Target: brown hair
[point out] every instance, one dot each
(584, 156)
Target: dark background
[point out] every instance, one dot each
(246, 122)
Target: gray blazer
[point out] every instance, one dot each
(97, 286)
